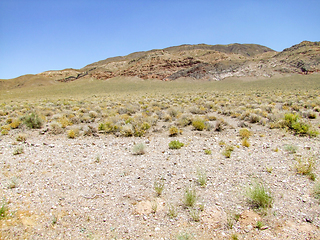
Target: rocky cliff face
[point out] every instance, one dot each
(208, 62)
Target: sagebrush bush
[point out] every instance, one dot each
(139, 149)
(33, 121)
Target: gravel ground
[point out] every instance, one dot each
(96, 188)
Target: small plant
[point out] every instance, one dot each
(259, 197)
(72, 133)
(207, 152)
(316, 190)
(33, 121)
(154, 207)
(202, 177)
(195, 215)
(305, 166)
(259, 225)
(13, 182)
(245, 142)
(21, 137)
(18, 150)
(245, 133)
(190, 197)
(269, 169)
(3, 210)
(97, 159)
(15, 123)
(291, 148)
(139, 149)
(176, 144)
(185, 236)
(158, 187)
(173, 131)
(172, 211)
(234, 236)
(227, 151)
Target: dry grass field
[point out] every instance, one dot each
(127, 158)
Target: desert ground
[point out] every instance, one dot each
(236, 159)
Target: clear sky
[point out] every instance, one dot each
(40, 35)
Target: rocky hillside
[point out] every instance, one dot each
(206, 62)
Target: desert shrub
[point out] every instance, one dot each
(64, 122)
(33, 121)
(89, 131)
(15, 123)
(184, 120)
(21, 137)
(73, 133)
(305, 166)
(139, 149)
(259, 196)
(175, 144)
(291, 121)
(55, 128)
(173, 131)
(211, 117)
(227, 151)
(220, 124)
(4, 132)
(254, 118)
(245, 133)
(173, 112)
(198, 124)
(93, 114)
(127, 130)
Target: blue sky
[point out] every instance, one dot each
(40, 35)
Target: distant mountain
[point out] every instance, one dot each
(201, 61)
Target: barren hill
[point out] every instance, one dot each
(206, 62)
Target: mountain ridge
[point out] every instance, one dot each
(198, 61)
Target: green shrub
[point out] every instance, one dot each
(198, 124)
(190, 197)
(33, 121)
(259, 197)
(176, 144)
